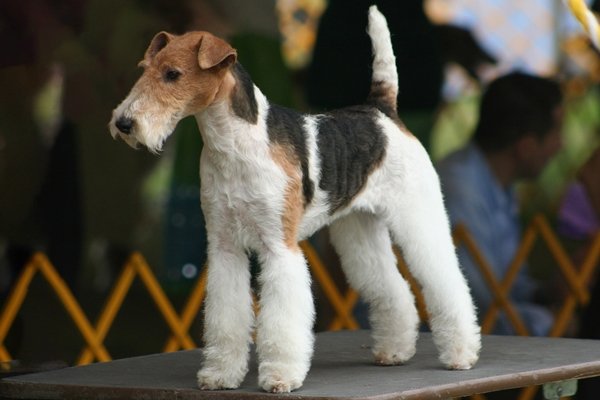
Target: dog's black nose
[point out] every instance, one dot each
(124, 125)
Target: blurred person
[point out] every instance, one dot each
(518, 132)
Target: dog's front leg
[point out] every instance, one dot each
(229, 318)
(284, 331)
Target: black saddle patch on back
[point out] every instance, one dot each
(285, 127)
(350, 145)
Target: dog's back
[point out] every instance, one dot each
(350, 143)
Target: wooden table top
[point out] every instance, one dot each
(342, 368)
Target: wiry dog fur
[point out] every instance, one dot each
(271, 177)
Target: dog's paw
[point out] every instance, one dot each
(277, 378)
(393, 358)
(276, 384)
(462, 356)
(458, 341)
(212, 379)
(461, 359)
(395, 349)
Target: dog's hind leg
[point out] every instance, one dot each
(284, 332)
(363, 243)
(229, 319)
(419, 224)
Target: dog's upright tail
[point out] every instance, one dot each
(384, 82)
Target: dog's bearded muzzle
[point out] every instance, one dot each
(144, 120)
(123, 127)
(149, 133)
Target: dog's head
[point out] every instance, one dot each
(182, 76)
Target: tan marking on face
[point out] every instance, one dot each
(293, 208)
(195, 88)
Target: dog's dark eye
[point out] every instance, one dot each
(172, 75)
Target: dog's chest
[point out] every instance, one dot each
(244, 199)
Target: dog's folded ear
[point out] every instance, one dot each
(215, 52)
(159, 41)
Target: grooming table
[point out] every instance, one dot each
(342, 368)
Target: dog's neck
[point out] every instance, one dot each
(233, 126)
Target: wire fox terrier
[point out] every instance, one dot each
(270, 177)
